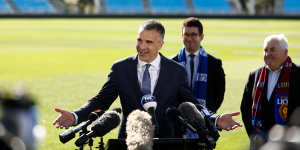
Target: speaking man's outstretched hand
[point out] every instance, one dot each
(64, 120)
(226, 122)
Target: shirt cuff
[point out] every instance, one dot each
(216, 121)
(220, 129)
(76, 119)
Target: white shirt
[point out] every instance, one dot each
(272, 81)
(153, 70)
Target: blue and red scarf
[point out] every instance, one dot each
(281, 92)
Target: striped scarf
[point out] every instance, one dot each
(281, 92)
(200, 81)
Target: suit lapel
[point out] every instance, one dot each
(134, 79)
(162, 76)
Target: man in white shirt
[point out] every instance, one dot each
(272, 91)
(148, 72)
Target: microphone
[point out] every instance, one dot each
(70, 134)
(209, 123)
(174, 114)
(139, 130)
(149, 104)
(189, 111)
(108, 121)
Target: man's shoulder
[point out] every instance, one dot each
(171, 62)
(125, 61)
(297, 67)
(174, 57)
(256, 71)
(212, 58)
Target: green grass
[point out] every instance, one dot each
(65, 62)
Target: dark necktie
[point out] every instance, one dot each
(146, 82)
(192, 67)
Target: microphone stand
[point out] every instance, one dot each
(207, 142)
(101, 144)
(85, 131)
(91, 143)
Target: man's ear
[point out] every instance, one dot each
(161, 44)
(286, 52)
(202, 36)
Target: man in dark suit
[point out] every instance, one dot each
(205, 73)
(272, 91)
(149, 72)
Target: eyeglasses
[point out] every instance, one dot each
(192, 35)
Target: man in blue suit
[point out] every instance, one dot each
(166, 80)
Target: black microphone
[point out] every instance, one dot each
(213, 131)
(108, 121)
(70, 134)
(189, 111)
(174, 114)
(149, 104)
(139, 130)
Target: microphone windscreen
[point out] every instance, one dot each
(108, 121)
(189, 111)
(139, 130)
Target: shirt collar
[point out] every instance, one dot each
(155, 63)
(196, 53)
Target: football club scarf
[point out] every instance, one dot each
(281, 92)
(199, 89)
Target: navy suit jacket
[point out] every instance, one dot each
(171, 90)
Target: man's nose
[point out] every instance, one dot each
(188, 38)
(142, 45)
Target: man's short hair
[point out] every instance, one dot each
(283, 42)
(193, 22)
(153, 25)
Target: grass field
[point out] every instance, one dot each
(64, 62)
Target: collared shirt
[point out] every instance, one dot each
(196, 63)
(153, 70)
(272, 80)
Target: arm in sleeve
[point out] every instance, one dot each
(219, 85)
(246, 105)
(103, 99)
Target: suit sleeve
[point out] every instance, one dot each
(219, 87)
(103, 99)
(246, 104)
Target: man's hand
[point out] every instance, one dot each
(226, 122)
(64, 120)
